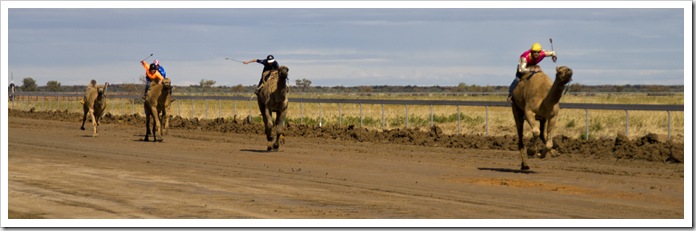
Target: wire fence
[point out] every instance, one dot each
(317, 111)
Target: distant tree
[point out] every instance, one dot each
(238, 88)
(28, 84)
(576, 87)
(207, 83)
(53, 85)
(132, 87)
(462, 87)
(366, 89)
(303, 83)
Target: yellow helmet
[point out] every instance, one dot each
(536, 47)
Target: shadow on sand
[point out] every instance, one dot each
(508, 170)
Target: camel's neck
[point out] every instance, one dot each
(554, 96)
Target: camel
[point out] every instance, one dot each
(273, 98)
(536, 98)
(157, 104)
(94, 104)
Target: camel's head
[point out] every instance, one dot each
(564, 74)
(283, 72)
(166, 84)
(102, 90)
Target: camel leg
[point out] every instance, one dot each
(536, 132)
(94, 122)
(279, 125)
(519, 124)
(165, 123)
(147, 126)
(549, 136)
(268, 125)
(543, 125)
(84, 118)
(156, 123)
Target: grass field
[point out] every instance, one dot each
(494, 121)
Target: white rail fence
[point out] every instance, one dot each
(71, 101)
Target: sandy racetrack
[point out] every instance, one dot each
(59, 171)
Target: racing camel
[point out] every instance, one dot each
(157, 104)
(94, 104)
(273, 97)
(536, 98)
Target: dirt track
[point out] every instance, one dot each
(59, 171)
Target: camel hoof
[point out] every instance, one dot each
(82, 128)
(554, 153)
(542, 154)
(524, 167)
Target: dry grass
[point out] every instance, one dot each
(471, 120)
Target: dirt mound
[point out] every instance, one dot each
(647, 148)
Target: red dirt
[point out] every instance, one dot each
(219, 169)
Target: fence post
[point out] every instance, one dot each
(669, 125)
(626, 122)
(383, 117)
(235, 108)
(361, 116)
(321, 113)
(300, 112)
(206, 108)
(459, 121)
(340, 115)
(219, 108)
(486, 120)
(431, 116)
(407, 116)
(249, 117)
(587, 128)
(179, 106)
(193, 109)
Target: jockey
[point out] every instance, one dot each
(269, 64)
(160, 68)
(528, 63)
(151, 73)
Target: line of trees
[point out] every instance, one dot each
(304, 85)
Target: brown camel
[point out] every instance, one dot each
(536, 98)
(157, 104)
(94, 104)
(273, 98)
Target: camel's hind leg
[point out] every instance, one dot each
(147, 126)
(84, 118)
(268, 128)
(519, 124)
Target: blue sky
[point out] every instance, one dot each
(348, 45)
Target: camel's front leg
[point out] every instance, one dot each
(548, 147)
(279, 125)
(157, 123)
(531, 120)
(94, 122)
